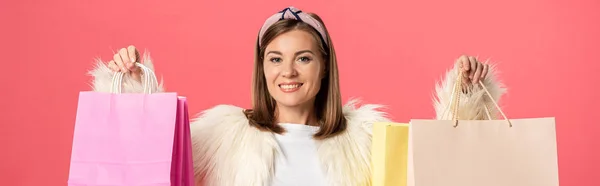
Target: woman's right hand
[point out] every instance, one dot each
(124, 61)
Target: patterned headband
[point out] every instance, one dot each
(294, 13)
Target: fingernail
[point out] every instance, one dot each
(133, 60)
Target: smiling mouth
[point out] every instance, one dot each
(290, 87)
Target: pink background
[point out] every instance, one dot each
(390, 52)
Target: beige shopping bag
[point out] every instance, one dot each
(509, 152)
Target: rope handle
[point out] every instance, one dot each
(455, 100)
(149, 80)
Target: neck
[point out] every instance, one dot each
(297, 115)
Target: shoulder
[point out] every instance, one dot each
(220, 118)
(364, 115)
(220, 112)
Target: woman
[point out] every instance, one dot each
(297, 132)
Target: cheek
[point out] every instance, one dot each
(318, 71)
(270, 73)
(314, 75)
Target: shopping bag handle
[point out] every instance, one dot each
(455, 100)
(149, 80)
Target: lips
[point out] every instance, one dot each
(290, 87)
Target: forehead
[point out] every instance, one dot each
(293, 41)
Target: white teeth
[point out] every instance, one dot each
(290, 86)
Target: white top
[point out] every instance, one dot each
(300, 163)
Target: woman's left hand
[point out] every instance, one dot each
(473, 70)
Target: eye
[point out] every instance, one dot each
(275, 59)
(304, 59)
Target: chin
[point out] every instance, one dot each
(290, 102)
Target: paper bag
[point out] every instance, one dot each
(515, 152)
(483, 152)
(389, 154)
(131, 139)
(182, 167)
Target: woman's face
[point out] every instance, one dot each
(293, 69)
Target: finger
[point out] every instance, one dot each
(113, 66)
(485, 71)
(478, 72)
(125, 57)
(132, 54)
(473, 66)
(465, 63)
(119, 62)
(132, 51)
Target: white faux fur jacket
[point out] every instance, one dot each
(227, 151)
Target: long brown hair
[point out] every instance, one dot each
(328, 101)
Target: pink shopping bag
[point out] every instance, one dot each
(182, 170)
(131, 139)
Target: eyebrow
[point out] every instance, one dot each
(297, 53)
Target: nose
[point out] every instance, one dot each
(289, 70)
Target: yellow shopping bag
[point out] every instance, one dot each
(389, 154)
